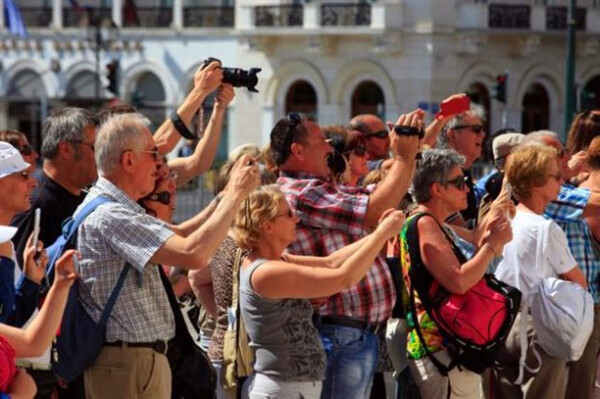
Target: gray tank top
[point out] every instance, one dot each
(286, 344)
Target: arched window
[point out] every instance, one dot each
(590, 95)
(301, 97)
(536, 109)
(148, 96)
(27, 105)
(480, 95)
(368, 98)
(83, 86)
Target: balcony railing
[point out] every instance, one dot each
(508, 16)
(208, 17)
(556, 18)
(77, 17)
(286, 15)
(333, 14)
(148, 17)
(36, 17)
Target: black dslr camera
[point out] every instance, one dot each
(237, 77)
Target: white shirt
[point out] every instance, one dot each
(522, 251)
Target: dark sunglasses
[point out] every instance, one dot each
(460, 182)
(382, 134)
(26, 150)
(288, 214)
(359, 151)
(162, 197)
(475, 128)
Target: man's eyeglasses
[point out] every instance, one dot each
(81, 142)
(475, 128)
(154, 152)
(26, 150)
(382, 134)
(23, 174)
(162, 197)
(460, 182)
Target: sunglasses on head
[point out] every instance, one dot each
(26, 150)
(460, 182)
(382, 134)
(475, 128)
(162, 197)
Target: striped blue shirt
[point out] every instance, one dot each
(567, 211)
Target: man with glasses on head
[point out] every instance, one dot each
(331, 217)
(465, 134)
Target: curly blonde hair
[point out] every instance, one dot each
(261, 206)
(528, 167)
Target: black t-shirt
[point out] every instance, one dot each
(56, 204)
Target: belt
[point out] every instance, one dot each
(157, 346)
(347, 322)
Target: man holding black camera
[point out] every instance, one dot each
(331, 217)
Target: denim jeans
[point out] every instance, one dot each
(261, 386)
(352, 356)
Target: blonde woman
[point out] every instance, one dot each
(275, 289)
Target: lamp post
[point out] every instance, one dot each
(102, 33)
(570, 67)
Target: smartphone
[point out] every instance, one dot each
(455, 106)
(36, 225)
(76, 264)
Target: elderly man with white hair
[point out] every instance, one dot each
(132, 363)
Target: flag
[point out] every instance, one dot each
(14, 21)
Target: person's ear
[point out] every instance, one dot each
(66, 150)
(128, 161)
(297, 151)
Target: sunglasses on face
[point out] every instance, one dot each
(460, 182)
(26, 150)
(162, 197)
(288, 214)
(359, 151)
(382, 134)
(475, 128)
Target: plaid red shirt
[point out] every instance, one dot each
(332, 217)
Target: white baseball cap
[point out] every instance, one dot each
(11, 160)
(7, 233)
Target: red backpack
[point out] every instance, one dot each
(474, 325)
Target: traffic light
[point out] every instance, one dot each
(501, 81)
(112, 73)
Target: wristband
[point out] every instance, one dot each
(180, 126)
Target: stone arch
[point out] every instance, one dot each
(481, 72)
(352, 75)
(546, 75)
(48, 78)
(82, 67)
(285, 76)
(134, 72)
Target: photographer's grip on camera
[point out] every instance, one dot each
(237, 77)
(409, 131)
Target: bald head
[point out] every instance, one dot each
(372, 128)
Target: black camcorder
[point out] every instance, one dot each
(237, 77)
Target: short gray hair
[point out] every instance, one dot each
(119, 133)
(434, 167)
(476, 110)
(68, 124)
(538, 136)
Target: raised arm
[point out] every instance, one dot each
(279, 279)
(394, 186)
(440, 261)
(204, 154)
(435, 127)
(205, 82)
(195, 250)
(35, 338)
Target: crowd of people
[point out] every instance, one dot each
(292, 261)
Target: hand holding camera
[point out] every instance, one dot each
(208, 77)
(406, 141)
(236, 77)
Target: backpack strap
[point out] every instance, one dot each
(412, 236)
(114, 295)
